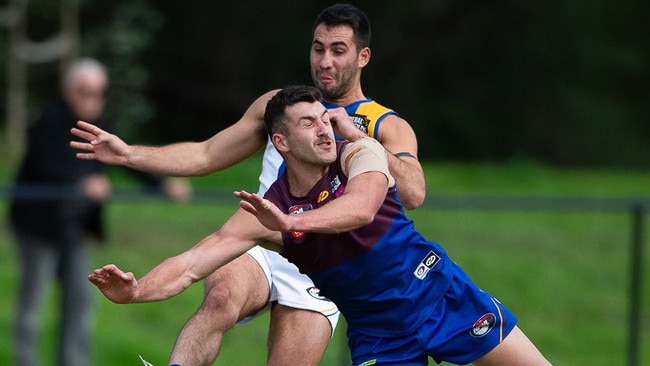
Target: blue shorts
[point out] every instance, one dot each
(466, 324)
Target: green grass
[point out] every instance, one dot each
(563, 273)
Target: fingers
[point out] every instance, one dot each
(109, 271)
(254, 200)
(89, 127)
(246, 206)
(245, 203)
(81, 145)
(90, 133)
(83, 134)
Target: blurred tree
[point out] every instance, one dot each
(22, 52)
(565, 82)
(121, 33)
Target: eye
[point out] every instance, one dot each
(325, 118)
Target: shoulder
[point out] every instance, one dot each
(364, 155)
(374, 110)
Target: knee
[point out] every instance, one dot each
(217, 297)
(219, 303)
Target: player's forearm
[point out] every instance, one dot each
(182, 159)
(356, 208)
(410, 181)
(176, 274)
(328, 221)
(165, 281)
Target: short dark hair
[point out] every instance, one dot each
(350, 15)
(274, 115)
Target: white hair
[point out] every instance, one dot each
(80, 66)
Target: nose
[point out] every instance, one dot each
(323, 128)
(325, 61)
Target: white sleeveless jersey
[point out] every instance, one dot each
(271, 163)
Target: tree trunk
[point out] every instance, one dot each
(63, 46)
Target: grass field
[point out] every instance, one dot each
(564, 273)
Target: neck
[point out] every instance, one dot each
(304, 178)
(349, 97)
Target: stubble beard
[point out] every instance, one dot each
(340, 88)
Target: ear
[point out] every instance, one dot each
(280, 142)
(364, 57)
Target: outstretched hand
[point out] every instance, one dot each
(116, 285)
(100, 145)
(266, 212)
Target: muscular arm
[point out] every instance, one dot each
(363, 196)
(356, 208)
(397, 136)
(174, 275)
(226, 148)
(365, 163)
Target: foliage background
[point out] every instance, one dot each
(563, 82)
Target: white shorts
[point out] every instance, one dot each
(291, 288)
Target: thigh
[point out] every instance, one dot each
(297, 337)
(516, 349)
(240, 285)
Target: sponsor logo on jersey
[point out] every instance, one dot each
(360, 121)
(483, 325)
(425, 266)
(337, 187)
(322, 196)
(298, 209)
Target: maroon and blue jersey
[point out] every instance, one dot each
(385, 277)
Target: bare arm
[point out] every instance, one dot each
(175, 274)
(364, 161)
(226, 148)
(354, 209)
(397, 136)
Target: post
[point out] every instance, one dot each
(636, 274)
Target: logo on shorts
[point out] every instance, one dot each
(315, 293)
(425, 266)
(483, 325)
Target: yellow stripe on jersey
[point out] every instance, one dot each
(373, 111)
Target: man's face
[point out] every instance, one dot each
(334, 60)
(86, 95)
(310, 137)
